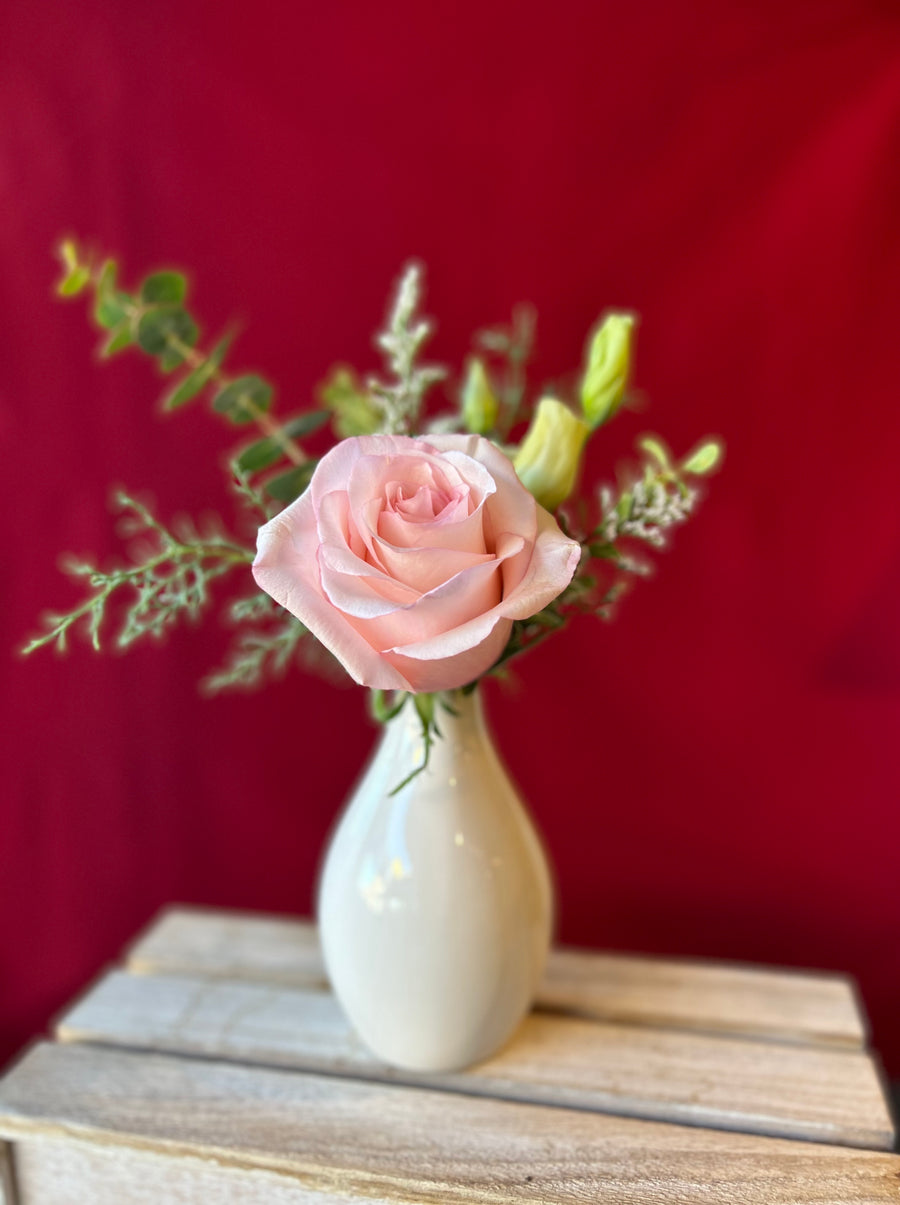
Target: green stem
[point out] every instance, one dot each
(229, 555)
(262, 418)
(269, 427)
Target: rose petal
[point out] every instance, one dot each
(552, 566)
(427, 568)
(438, 613)
(511, 507)
(334, 523)
(358, 588)
(386, 516)
(285, 567)
(400, 524)
(447, 673)
(472, 631)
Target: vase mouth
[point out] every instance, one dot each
(458, 703)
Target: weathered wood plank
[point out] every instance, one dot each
(8, 1195)
(668, 1075)
(230, 945)
(382, 1141)
(115, 1175)
(716, 997)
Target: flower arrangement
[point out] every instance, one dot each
(424, 551)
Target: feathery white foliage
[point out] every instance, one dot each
(401, 401)
(647, 512)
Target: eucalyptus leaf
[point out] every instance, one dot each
(170, 360)
(244, 399)
(68, 253)
(259, 455)
(305, 423)
(74, 281)
(106, 281)
(164, 288)
(290, 485)
(110, 309)
(120, 337)
(158, 328)
(196, 381)
(265, 452)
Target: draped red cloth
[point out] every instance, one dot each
(718, 772)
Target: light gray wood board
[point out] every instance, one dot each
(114, 1175)
(230, 945)
(670, 1075)
(381, 1141)
(717, 997)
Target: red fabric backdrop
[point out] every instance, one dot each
(718, 773)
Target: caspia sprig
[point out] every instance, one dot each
(169, 580)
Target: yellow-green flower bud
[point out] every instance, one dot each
(548, 457)
(608, 368)
(479, 403)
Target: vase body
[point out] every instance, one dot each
(435, 903)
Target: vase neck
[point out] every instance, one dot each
(459, 718)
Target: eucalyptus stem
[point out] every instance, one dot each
(127, 313)
(268, 425)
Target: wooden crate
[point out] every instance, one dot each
(216, 1067)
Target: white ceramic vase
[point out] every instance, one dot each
(435, 903)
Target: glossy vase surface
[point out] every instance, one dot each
(435, 903)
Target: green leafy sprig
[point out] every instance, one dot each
(659, 497)
(260, 653)
(155, 320)
(400, 400)
(169, 581)
(171, 576)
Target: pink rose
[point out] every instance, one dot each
(410, 558)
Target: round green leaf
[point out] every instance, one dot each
(164, 288)
(158, 328)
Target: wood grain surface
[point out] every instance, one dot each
(720, 998)
(95, 1174)
(753, 1086)
(230, 945)
(7, 1188)
(381, 1142)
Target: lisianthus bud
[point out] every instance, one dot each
(479, 403)
(548, 457)
(608, 367)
